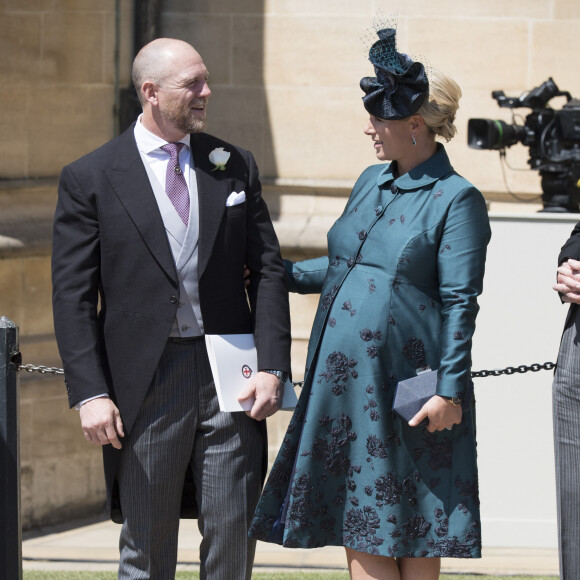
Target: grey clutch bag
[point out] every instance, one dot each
(411, 394)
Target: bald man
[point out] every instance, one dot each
(151, 235)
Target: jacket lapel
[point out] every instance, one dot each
(130, 183)
(212, 191)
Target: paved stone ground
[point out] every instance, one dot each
(93, 546)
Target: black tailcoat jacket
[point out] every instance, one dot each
(571, 249)
(115, 286)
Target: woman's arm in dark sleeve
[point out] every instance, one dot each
(306, 277)
(461, 264)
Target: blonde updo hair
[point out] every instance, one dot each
(438, 110)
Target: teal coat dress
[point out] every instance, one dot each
(398, 291)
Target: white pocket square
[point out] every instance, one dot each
(236, 198)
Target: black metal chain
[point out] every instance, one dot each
(41, 369)
(534, 368)
(16, 360)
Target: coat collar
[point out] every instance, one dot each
(212, 190)
(130, 182)
(421, 176)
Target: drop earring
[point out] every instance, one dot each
(413, 137)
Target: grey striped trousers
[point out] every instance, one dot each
(566, 414)
(179, 424)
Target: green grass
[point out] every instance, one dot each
(42, 575)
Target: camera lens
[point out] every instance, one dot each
(490, 134)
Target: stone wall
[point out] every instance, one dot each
(61, 475)
(58, 71)
(293, 68)
(284, 74)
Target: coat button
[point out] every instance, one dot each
(394, 188)
(173, 299)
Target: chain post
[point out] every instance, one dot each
(10, 528)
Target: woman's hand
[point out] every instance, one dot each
(442, 414)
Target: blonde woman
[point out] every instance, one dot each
(399, 291)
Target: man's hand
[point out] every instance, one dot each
(440, 412)
(101, 422)
(568, 284)
(267, 392)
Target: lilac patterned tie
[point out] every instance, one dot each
(175, 185)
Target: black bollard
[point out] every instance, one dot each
(10, 528)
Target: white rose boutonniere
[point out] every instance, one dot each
(219, 157)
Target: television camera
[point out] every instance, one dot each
(553, 138)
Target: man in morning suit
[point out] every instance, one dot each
(566, 411)
(150, 242)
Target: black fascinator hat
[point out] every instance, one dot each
(401, 85)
